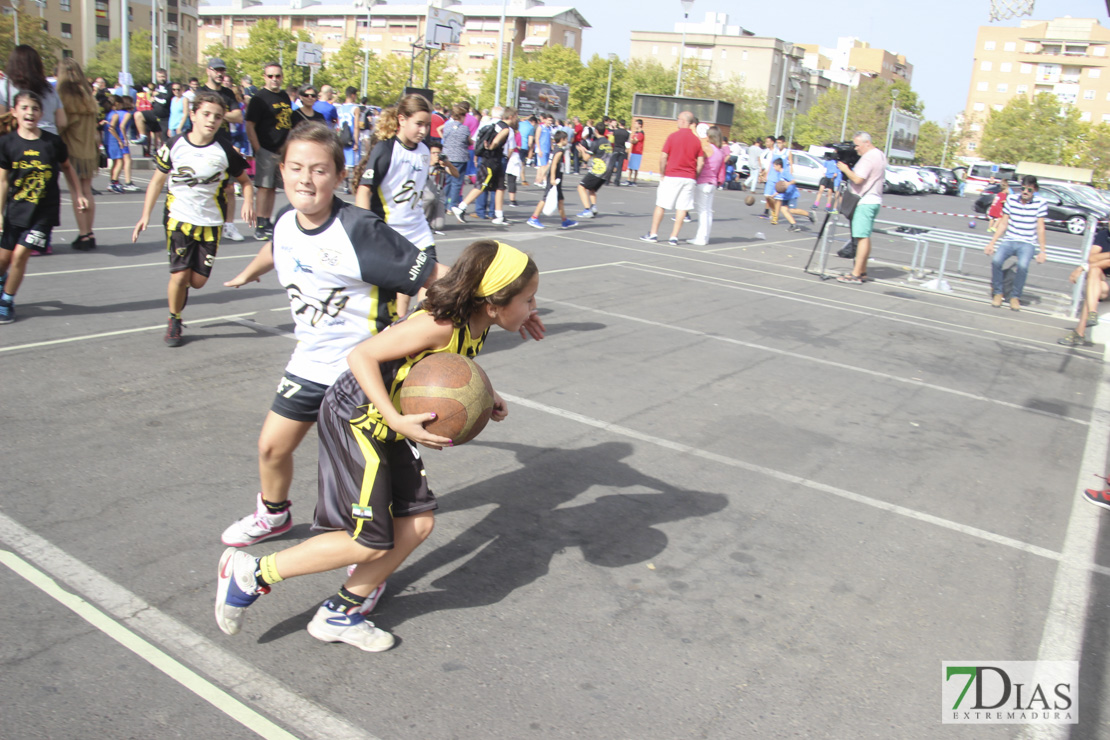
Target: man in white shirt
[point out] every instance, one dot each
(866, 180)
(755, 157)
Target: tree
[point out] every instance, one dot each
(1037, 130)
(1095, 151)
(31, 34)
(107, 60)
(930, 144)
(868, 110)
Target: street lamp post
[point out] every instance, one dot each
(609, 84)
(947, 134)
(787, 53)
(686, 6)
(795, 87)
(366, 50)
(848, 101)
(500, 53)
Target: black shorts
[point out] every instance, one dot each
(558, 191)
(298, 399)
(592, 182)
(192, 247)
(35, 238)
(827, 182)
(153, 124)
(491, 174)
(368, 477)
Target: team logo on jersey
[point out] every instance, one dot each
(188, 176)
(301, 267)
(316, 309)
(328, 256)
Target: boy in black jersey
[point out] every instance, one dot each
(489, 149)
(30, 160)
(554, 182)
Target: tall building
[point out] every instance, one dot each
(393, 29)
(851, 57)
(1065, 57)
(82, 24)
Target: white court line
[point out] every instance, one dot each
(218, 698)
(819, 361)
(1062, 638)
(220, 258)
(136, 330)
(805, 482)
(306, 718)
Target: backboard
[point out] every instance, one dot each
(443, 28)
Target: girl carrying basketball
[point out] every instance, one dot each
(374, 499)
(391, 177)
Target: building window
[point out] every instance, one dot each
(64, 5)
(1009, 46)
(1005, 67)
(67, 53)
(975, 127)
(1031, 48)
(1026, 69)
(983, 86)
(979, 107)
(1098, 51)
(988, 46)
(972, 146)
(724, 53)
(744, 55)
(986, 66)
(1106, 117)
(1085, 116)
(67, 30)
(996, 107)
(1094, 74)
(1088, 94)
(1022, 89)
(1002, 87)
(46, 25)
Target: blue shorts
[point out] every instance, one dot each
(351, 156)
(634, 161)
(543, 159)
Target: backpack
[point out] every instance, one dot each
(346, 138)
(347, 120)
(484, 138)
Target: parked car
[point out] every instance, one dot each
(1066, 210)
(808, 169)
(947, 179)
(904, 180)
(930, 179)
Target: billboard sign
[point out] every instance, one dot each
(541, 98)
(903, 142)
(443, 27)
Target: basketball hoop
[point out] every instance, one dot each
(1005, 9)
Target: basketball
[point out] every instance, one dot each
(453, 388)
(971, 224)
(781, 186)
(749, 200)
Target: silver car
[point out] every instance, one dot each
(808, 169)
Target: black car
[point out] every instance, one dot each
(947, 180)
(1065, 211)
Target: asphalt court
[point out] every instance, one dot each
(731, 500)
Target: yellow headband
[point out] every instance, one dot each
(508, 264)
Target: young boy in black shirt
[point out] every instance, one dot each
(30, 160)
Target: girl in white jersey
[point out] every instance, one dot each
(391, 177)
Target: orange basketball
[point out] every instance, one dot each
(455, 389)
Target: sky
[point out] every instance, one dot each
(936, 36)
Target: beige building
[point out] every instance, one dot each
(772, 67)
(1065, 57)
(851, 57)
(393, 29)
(82, 24)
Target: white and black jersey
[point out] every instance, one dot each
(197, 176)
(396, 176)
(342, 279)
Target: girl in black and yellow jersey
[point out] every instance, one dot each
(374, 499)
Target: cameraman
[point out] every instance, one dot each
(866, 180)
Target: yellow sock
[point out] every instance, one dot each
(268, 569)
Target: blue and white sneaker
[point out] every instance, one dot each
(535, 223)
(649, 238)
(352, 628)
(236, 589)
(7, 312)
(585, 214)
(569, 224)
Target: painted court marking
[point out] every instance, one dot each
(123, 616)
(119, 332)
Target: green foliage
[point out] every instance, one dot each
(868, 110)
(930, 144)
(31, 34)
(107, 59)
(1037, 130)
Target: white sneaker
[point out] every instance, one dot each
(257, 526)
(236, 589)
(500, 221)
(459, 213)
(232, 232)
(353, 629)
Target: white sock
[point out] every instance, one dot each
(499, 214)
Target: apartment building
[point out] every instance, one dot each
(851, 58)
(82, 24)
(770, 66)
(1065, 57)
(393, 29)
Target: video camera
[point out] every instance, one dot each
(846, 153)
